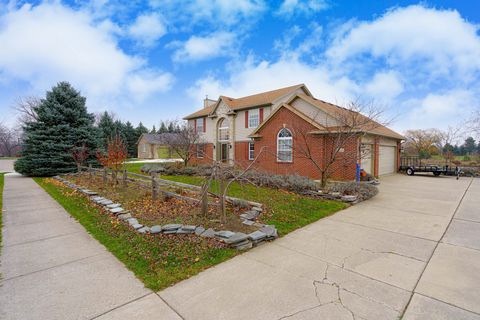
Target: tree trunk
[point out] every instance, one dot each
(222, 199)
(204, 194)
(154, 188)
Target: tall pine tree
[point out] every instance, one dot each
(131, 139)
(62, 124)
(106, 129)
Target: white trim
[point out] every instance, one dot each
(285, 150)
(251, 151)
(253, 118)
(200, 152)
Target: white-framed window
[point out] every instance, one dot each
(200, 124)
(251, 151)
(284, 146)
(224, 130)
(253, 118)
(200, 150)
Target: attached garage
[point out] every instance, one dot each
(386, 160)
(366, 160)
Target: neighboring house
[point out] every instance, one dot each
(153, 146)
(234, 130)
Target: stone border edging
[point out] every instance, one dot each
(237, 240)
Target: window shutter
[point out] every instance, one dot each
(195, 125)
(261, 115)
(204, 124)
(246, 119)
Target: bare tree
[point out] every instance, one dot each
(446, 140)
(422, 142)
(25, 107)
(337, 130)
(185, 142)
(9, 141)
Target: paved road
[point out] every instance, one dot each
(414, 247)
(53, 269)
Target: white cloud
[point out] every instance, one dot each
(385, 86)
(44, 44)
(147, 29)
(202, 48)
(290, 8)
(438, 41)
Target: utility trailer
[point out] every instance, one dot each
(413, 164)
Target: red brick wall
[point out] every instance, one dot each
(207, 158)
(241, 154)
(344, 167)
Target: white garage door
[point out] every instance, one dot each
(386, 159)
(366, 162)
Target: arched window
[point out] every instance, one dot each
(223, 129)
(284, 146)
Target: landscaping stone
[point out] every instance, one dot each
(258, 225)
(270, 231)
(97, 199)
(257, 236)
(243, 245)
(199, 230)
(170, 231)
(114, 205)
(224, 234)
(124, 216)
(250, 215)
(171, 227)
(132, 221)
(105, 202)
(155, 229)
(186, 229)
(143, 230)
(335, 194)
(257, 209)
(209, 233)
(236, 238)
(248, 222)
(117, 210)
(349, 198)
(137, 226)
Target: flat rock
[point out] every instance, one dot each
(105, 202)
(209, 233)
(224, 234)
(143, 229)
(124, 216)
(248, 222)
(199, 230)
(244, 246)
(349, 198)
(137, 226)
(114, 205)
(257, 235)
(132, 221)
(97, 198)
(188, 228)
(170, 231)
(250, 215)
(171, 227)
(257, 209)
(155, 229)
(270, 231)
(116, 210)
(236, 238)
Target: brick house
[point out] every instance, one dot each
(234, 130)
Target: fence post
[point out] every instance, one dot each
(90, 170)
(104, 175)
(204, 200)
(154, 188)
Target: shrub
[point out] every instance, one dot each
(363, 191)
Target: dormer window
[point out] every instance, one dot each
(253, 118)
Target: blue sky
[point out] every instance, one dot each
(153, 60)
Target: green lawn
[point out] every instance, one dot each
(159, 261)
(134, 167)
(2, 181)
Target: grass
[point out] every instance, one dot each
(286, 210)
(2, 182)
(159, 261)
(134, 167)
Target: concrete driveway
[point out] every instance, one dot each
(413, 250)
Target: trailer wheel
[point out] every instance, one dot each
(410, 171)
(436, 173)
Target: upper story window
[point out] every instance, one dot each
(224, 130)
(284, 146)
(200, 125)
(253, 118)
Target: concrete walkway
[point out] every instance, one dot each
(413, 250)
(53, 269)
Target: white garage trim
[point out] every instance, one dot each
(387, 160)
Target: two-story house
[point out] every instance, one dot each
(233, 130)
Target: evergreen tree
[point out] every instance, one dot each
(62, 124)
(106, 129)
(130, 139)
(163, 127)
(469, 145)
(153, 130)
(171, 127)
(139, 130)
(119, 129)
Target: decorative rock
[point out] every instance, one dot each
(335, 194)
(105, 202)
(250, 215)
(132, 221)
(257, 209)
(244, 245)
(171, 227)
(199, 230)
(124, 216)
(143, 230)
(225, 234)
(349, 198)
(258, 225)
(248, 222)
(137, 226)
(116, 210)
(236, 238)
(114, 205)
(270, 231)
(98, 199)
(186, 229)
(155, 229)
(257, 236)
(209, 233)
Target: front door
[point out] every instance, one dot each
(224, 152)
